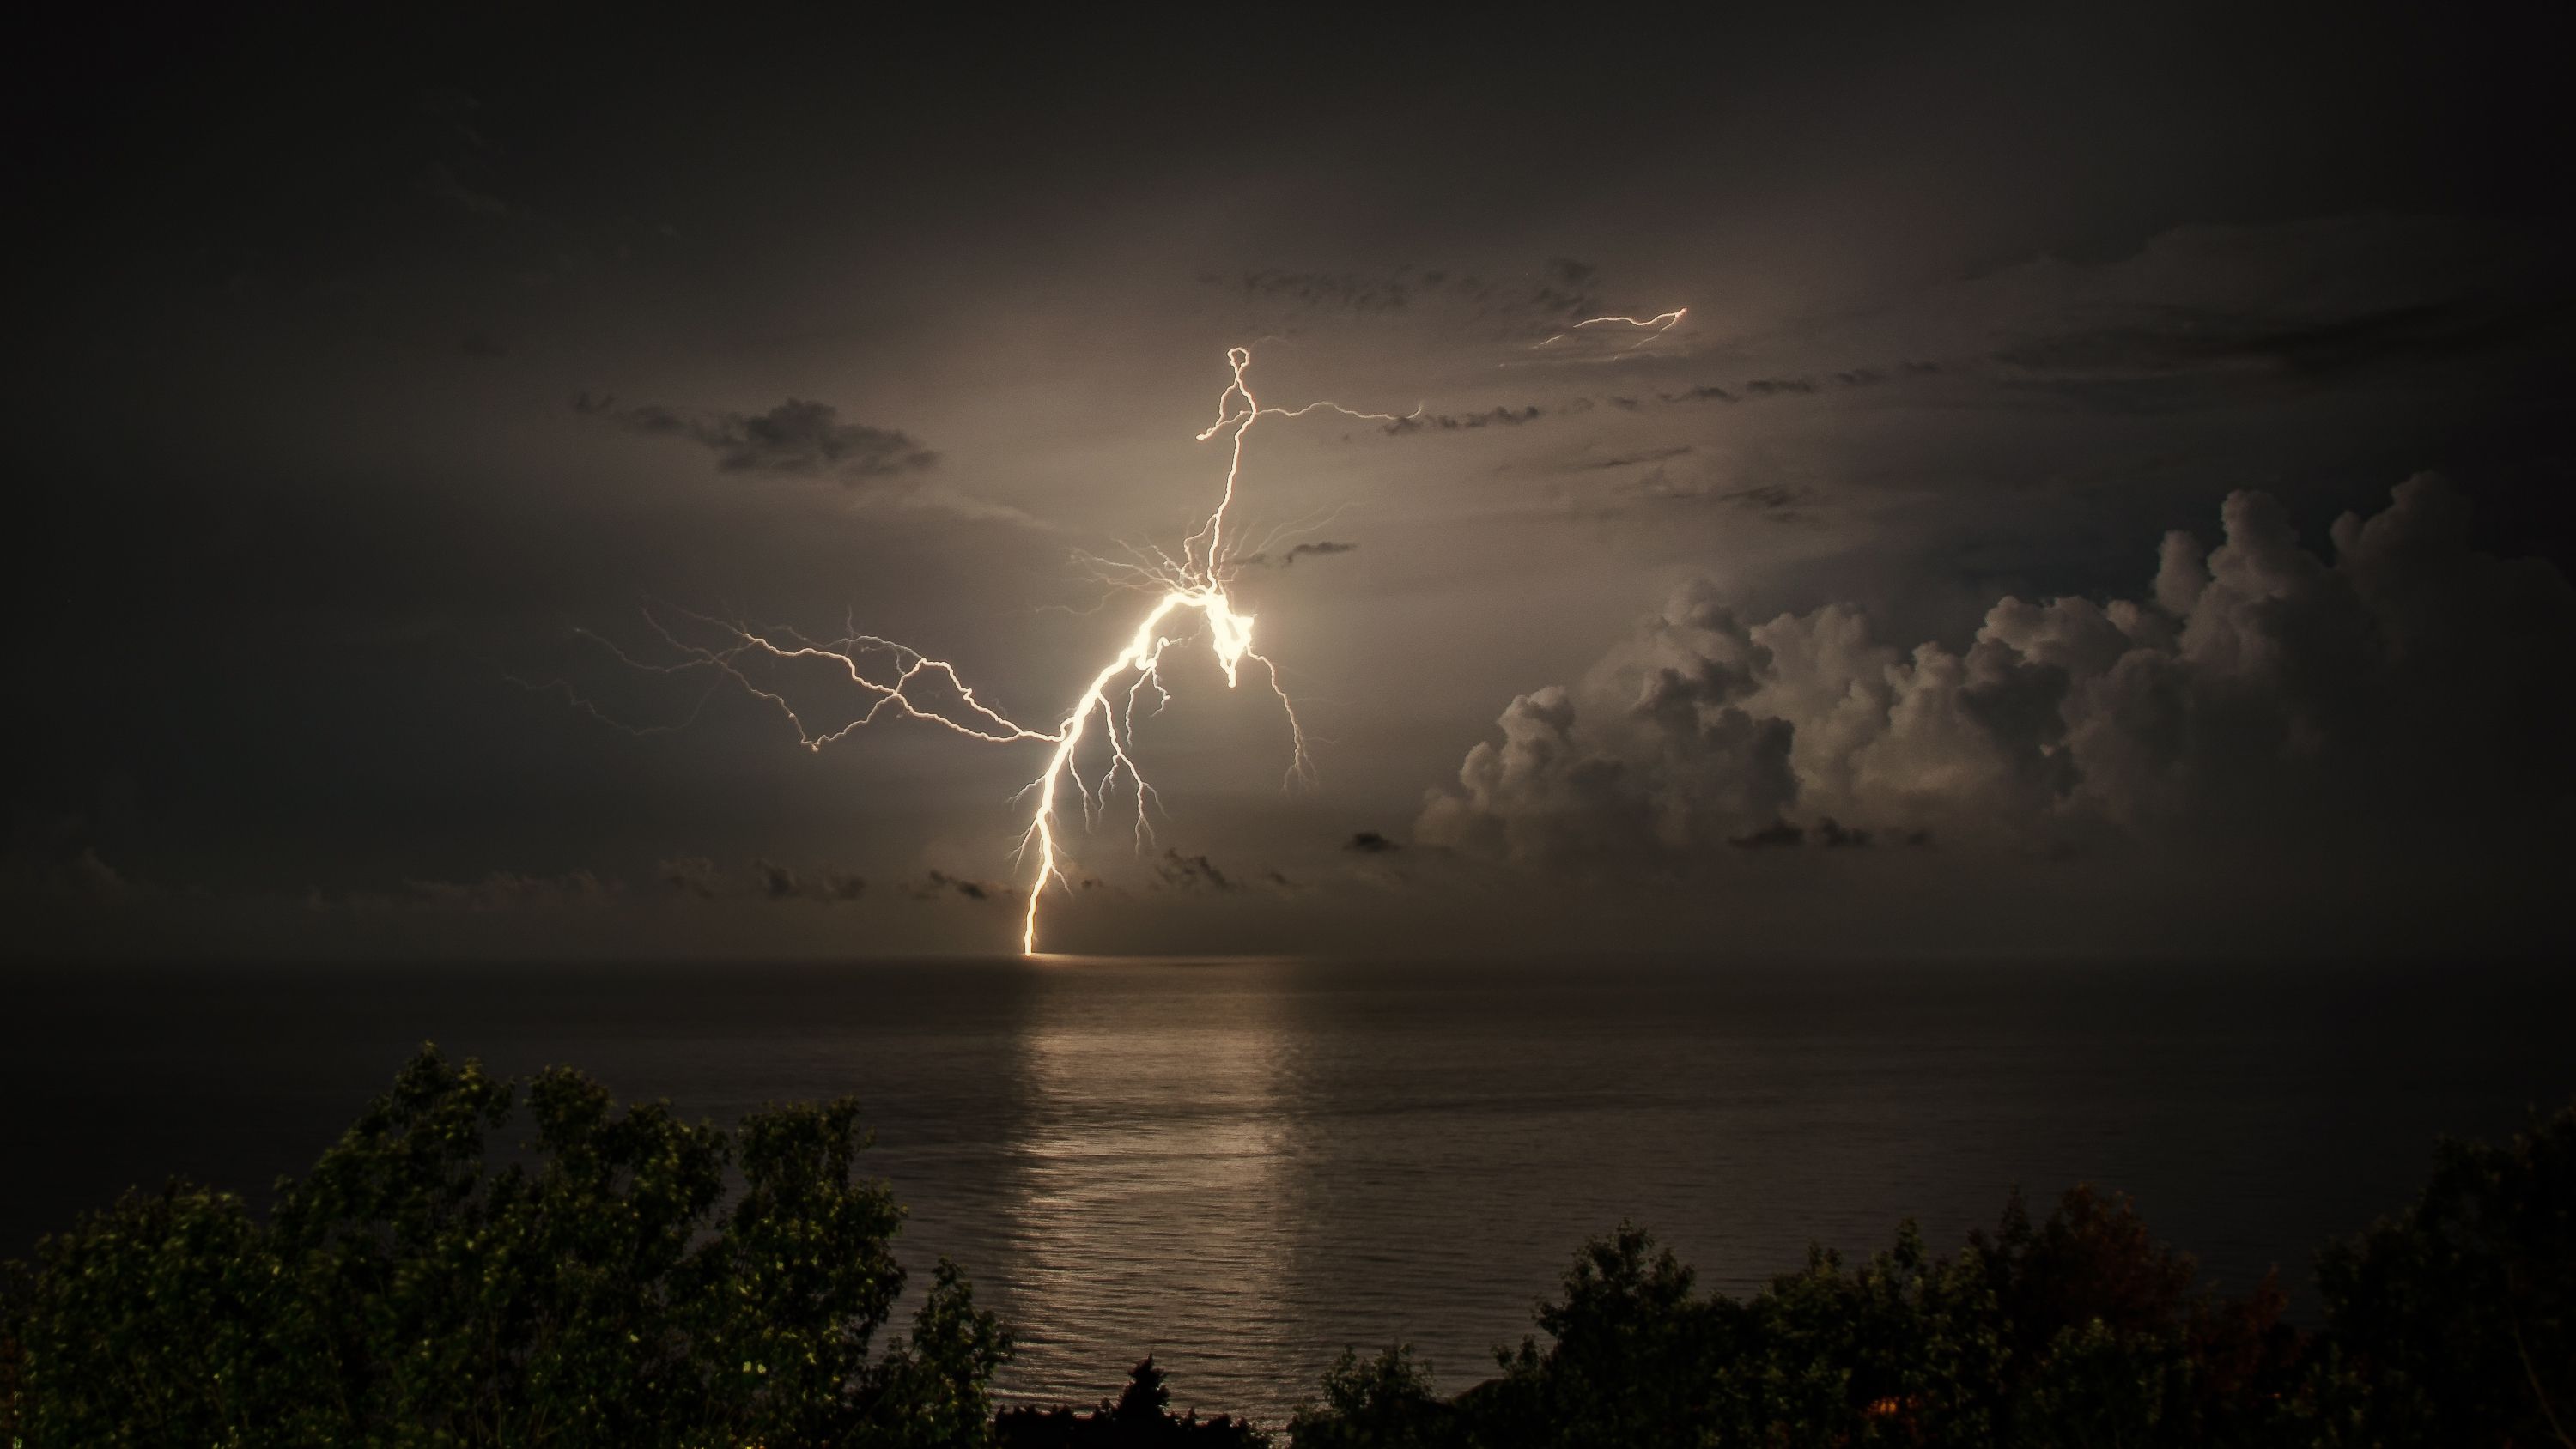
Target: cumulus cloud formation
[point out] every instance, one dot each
(797, 437)
(2405, 694)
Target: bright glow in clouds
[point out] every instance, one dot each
(914, 685)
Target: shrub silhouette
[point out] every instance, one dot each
(1141, 1418)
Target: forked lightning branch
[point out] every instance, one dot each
(896, 679)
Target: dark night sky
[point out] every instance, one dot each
(2106, 493)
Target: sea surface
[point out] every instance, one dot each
(1241, 1166)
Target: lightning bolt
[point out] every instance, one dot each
(1654, 327)
(897, 678)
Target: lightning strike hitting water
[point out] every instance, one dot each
(917, 686)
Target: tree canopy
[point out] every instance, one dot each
(619, 1278)
(2452, 1323)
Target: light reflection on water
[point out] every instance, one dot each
(1154, 1150)
(1242, 1166)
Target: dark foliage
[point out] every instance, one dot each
(1141, 1418)
(1378, 1403)
(2453, 1324)
(2461, 1311)
(413, 1289)
(601, 1286)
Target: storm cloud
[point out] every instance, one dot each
(2407, 689)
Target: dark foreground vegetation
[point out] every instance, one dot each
(622, 1278)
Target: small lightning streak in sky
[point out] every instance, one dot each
(902, 680)
(1654, 327)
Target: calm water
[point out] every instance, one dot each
(1243, 1165)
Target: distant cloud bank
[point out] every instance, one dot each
(797, 437)
(2406, 695)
